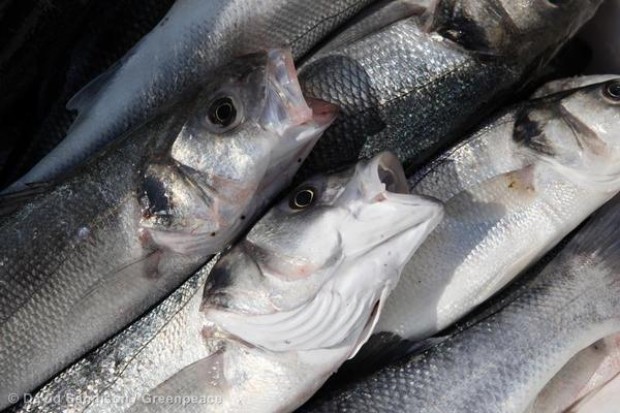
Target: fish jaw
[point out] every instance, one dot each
(381, 208)
(298, 123)
(272, 131)
(576, 130)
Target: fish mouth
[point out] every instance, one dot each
(297, 123)
(386, 175)
(387, 210)
(285, 104)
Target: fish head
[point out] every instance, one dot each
(251, 121)
(576, 130)
(510, 28)
(361, 216)
(245, 135)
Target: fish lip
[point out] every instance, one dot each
(386, 176)
(387, 209)
(286, 105)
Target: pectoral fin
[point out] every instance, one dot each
(199, 387)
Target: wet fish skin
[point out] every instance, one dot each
(192, 39)
(604, 400)
(512, 191)
(473, 24)
(83, 260)
(104, 34)
(500, 364)
(402, 88)
(588, 373)
(290, 334)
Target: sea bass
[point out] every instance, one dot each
(280, 311)
(194, 37)
(587, 374)
(84, 259)
(402, 87)
(512, 191)
(500, 364)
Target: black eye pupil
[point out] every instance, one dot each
(612, 90)
(302, 199)
(222, 112)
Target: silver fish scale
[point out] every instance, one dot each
(401, 90)
(112, 29)
(90, 378)
(192, 40)
(76, 244)
(500, 364)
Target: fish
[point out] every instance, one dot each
(604, 400)
(87, 256)
(73, 44)
(586, 374)
(192, 39)
(501, 363)
(512, 190)
(30, 32)
(402, 87)
(277, 313)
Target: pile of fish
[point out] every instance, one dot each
(338, 205)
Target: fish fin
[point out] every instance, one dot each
(84, 99)
(113, 291)
(599, 239)
(12, 201)
(192, 389)
(377, 17)
(327, 321)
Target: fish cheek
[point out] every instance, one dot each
(529, 132)
(155, 198)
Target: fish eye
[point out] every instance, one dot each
(611, 90)
(223, 112)
(303, 198)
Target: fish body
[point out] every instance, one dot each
(512, 191)
(69, 52)
(587, 375)
(604, 400)
(278, 313)
(401, 87)
(501, 363)
(193, 39)
(91, 254)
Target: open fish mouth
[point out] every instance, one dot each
(386, 208)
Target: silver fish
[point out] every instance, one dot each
(402, 86)
(87, 257)
(604, 400)
(512, 191)
(194, 37)
(279, 312)
(589, 372)
(65, 48)
(500, 364)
